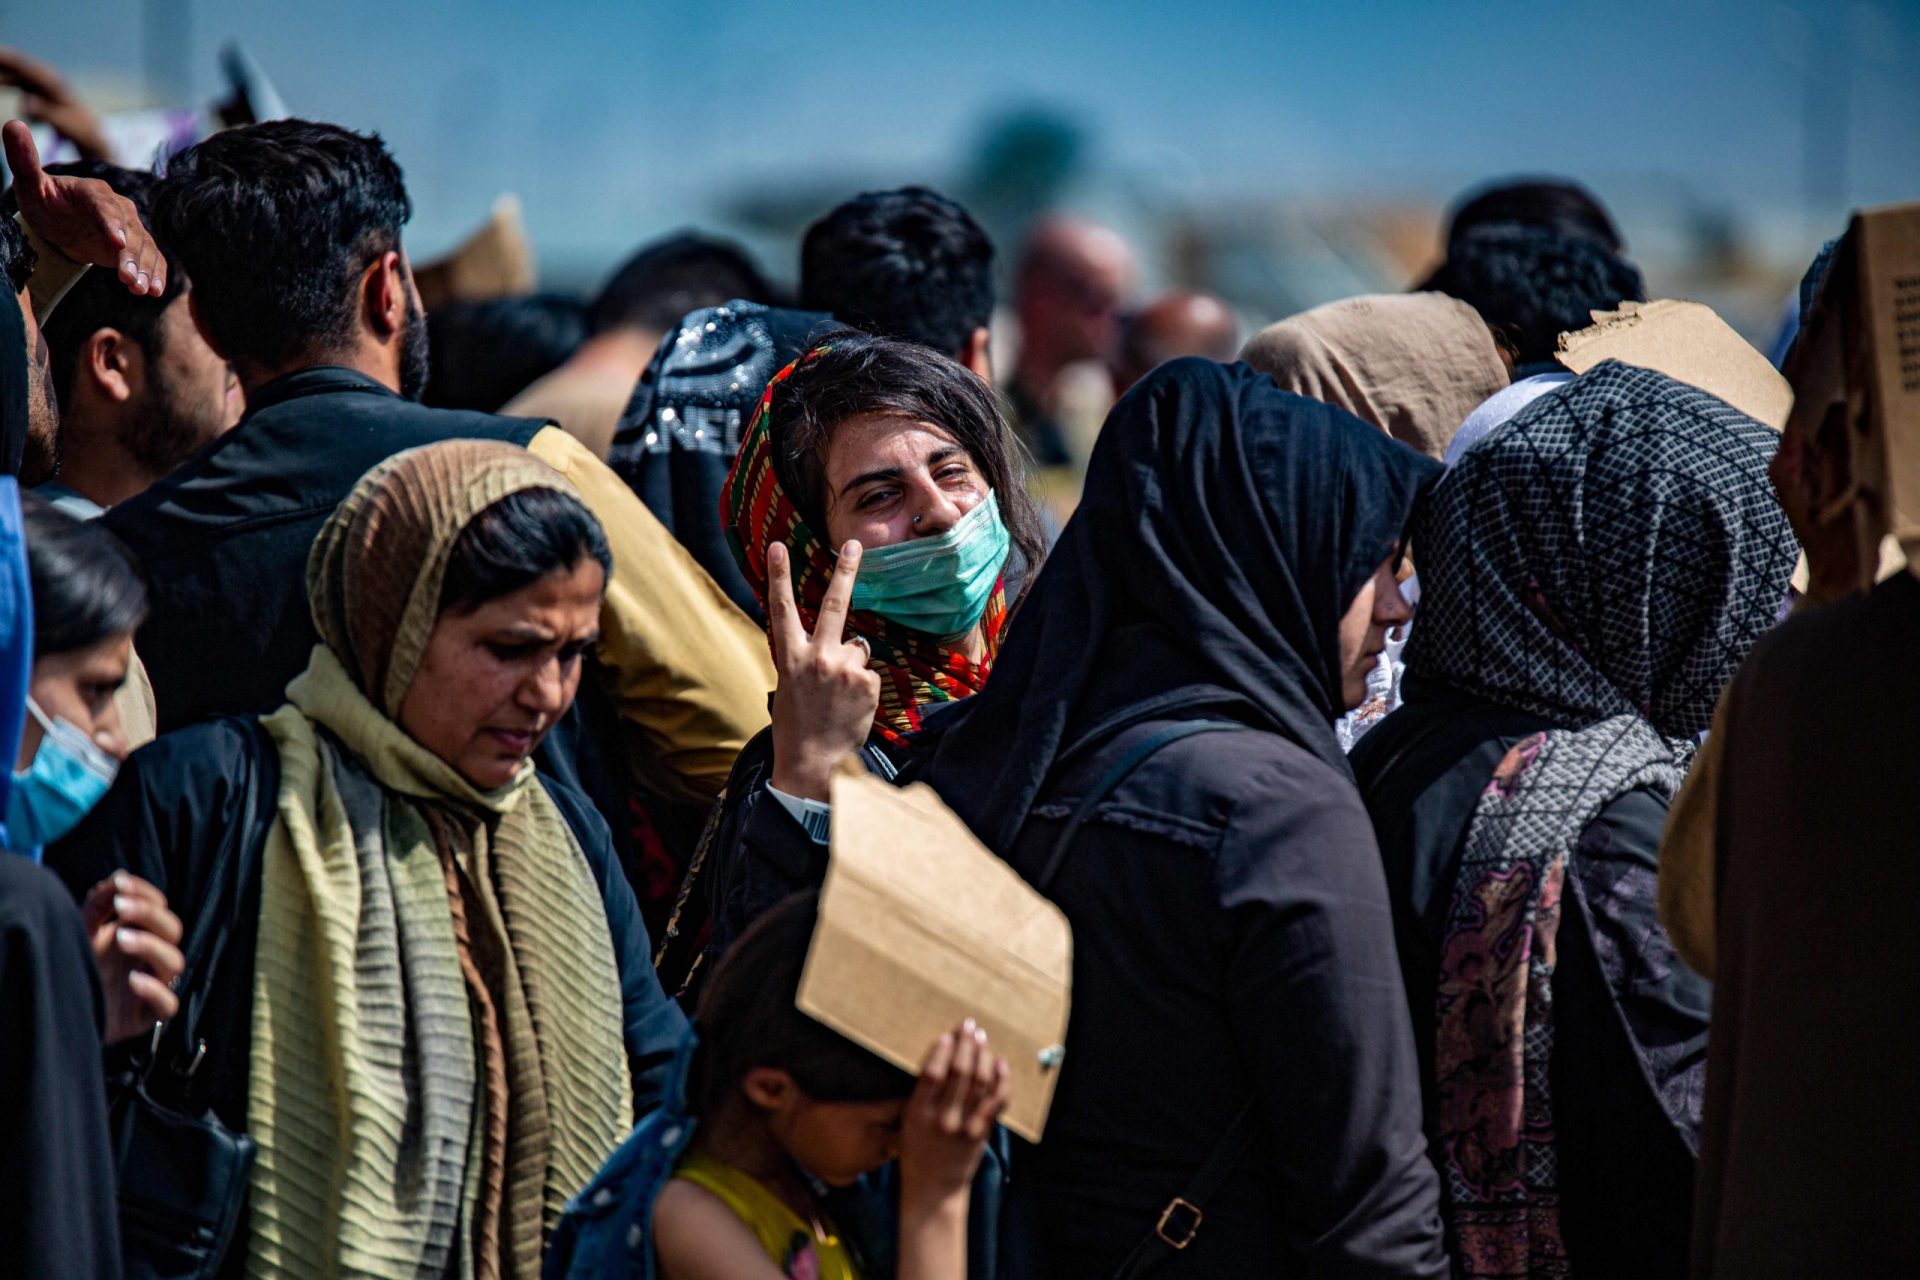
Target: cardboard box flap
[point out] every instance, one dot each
(1688, 342)
(1884, 357)
(920, 926)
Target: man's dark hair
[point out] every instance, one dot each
(517, 541)
(672, 276)
(275, 223)
(861, 374)
(1556, 204)
(86, 587)
(482, 354)
(99, 300)
(908, 264)
(1532, 284)
(16, 255)
(747, 1019)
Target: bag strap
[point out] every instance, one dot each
(1120, 772)
(178, 1040)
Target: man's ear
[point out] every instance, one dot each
(206, 335)
(383, 295)
(977, 354)
(768, 1088)
(113, 363)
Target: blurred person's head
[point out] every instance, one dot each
(1174, 325)
(482, 354)
(88, 599)
(1532, 285)
(907, 264)
(291, 232)
(140, 391)
(671, 276)
(1554, 204)
(1072, 280)
(40, 453)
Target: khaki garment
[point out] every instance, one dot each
(587, 403)
(687, 670)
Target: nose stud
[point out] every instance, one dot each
(918, 519)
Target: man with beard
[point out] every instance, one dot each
(139, 389)
(290, 231)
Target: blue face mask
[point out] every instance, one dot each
(68, 776)
(938, 585)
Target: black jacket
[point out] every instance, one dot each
(180, 796)
(1630, 1022)
(224, 539)
(1230, 942)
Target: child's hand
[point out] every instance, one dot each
(962, 1091)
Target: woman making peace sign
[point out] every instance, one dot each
(898, 458)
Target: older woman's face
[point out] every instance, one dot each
(891, 478)
(496, 678)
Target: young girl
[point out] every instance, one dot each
(787, 1108)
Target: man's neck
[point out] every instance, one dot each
(93, 462)
(372, 362)
(618, 353)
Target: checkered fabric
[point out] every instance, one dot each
(915, 668)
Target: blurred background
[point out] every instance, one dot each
(1278, 155)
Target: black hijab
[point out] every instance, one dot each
(1237, 520)
(14, 371)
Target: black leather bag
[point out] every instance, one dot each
(183, 1174)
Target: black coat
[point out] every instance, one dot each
(224, 539)
(1630, 1032)
(177, 798)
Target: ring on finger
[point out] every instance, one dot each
(865, 648)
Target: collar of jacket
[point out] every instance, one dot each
(316, 379)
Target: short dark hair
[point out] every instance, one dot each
(672, 276)
(483, 353)
(908, 264)
(99, 300)
(517, 541)
(86, 587)
(1531, 284)
(1557, 204)
(747, 1018)
(860, 374)
(275, 222)
(16, 255)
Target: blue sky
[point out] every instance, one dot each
(613, 121)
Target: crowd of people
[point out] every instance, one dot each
(427, 726)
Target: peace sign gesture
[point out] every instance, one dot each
(823, 706)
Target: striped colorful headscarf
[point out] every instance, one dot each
(915, 669)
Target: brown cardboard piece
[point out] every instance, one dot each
(496, 261)
(920, 926)
(1688, 342)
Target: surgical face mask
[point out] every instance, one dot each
(67, 777)
(938, 585)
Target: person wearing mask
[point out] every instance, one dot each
(589, 394)
(876, 504)
(305, 287)
(1174, 325)
(69, 980)
(435, 939)
(1592, 571)
(139, 390)
(1235, 1000)
(482, 353)
(1070, 284)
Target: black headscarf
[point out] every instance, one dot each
(14, 372)
(1239, 521)
(1614, 548)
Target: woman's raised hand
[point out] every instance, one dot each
(823, 707)
(135, 940)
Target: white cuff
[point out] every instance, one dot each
(816, 817)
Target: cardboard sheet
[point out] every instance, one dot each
(1688, 342)
(920, 926)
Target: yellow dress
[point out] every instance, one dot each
(788, 1240)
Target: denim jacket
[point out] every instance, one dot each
(605, 1235)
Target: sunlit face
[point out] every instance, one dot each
(837, 1142)
(78, 687)
(1377, 609)
(494, 679)
(891, 478)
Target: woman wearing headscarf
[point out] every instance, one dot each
(877, 509)
(1594, 570)
(1233, 560)
(436, 1008)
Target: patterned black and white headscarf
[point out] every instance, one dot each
(1614, 548)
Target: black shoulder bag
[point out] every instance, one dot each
(183, 1176)
(1180, 1221)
